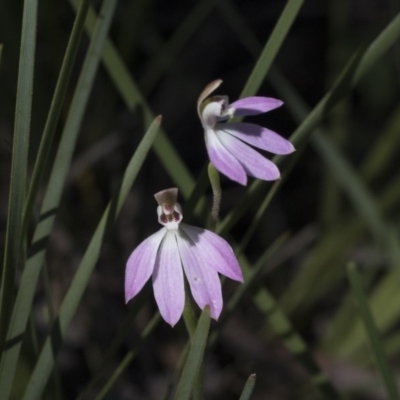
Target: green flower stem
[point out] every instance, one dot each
(213, 175)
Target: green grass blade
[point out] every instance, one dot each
(55, 110)
(177, 373)
(378, 48)
(372, 332)
(195, 357)
(166, 57)
(51, 200)
(19, 164)
(248, 388)
(356, 68)
(272, 47)
(346, 176)
(125, 329)
(151, 326)
(251, 277)
(384, 307)
(71, 301)
(344, 84)
(132, 97)
(284, 330)
(384, 149)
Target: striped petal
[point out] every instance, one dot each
(222, 160)
(169, 290)
(253, 162)
(204, 281)
(254, 105)
(215, 251)
(258, 136)
(141, 263)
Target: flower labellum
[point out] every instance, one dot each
(228, 142)
(175, 248)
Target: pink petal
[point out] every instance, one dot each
(168, 284)
(203, 280)
(254, 105)
(222, 160)
(215, 251)
(140, 264)
(253, 162)
(258, 136)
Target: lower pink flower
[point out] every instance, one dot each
(175, 248)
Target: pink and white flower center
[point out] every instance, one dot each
(169, 215)
(216, 110)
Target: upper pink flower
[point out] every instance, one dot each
(226, 141)
(201, 253)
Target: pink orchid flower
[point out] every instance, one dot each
(175, 248)
(227, 142)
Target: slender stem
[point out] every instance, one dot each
(213, 174)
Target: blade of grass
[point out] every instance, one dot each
(75, 292)
(151, 326)
(339, 22)
(248, 388)
(50, 203)
(167, 56)
(251, 43)
(363, 201)
(383, 150)
(352, 73)
(345, 334)
(383, 300)
(177, 373)
(19, 164)
(372, 333)
(54, 113)
(359, 195)
(126, 327)
(132, 97)
(357, 67)
(251, 277)
(284, 330)
(272, 47)
(331, 252)
(195, 357)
